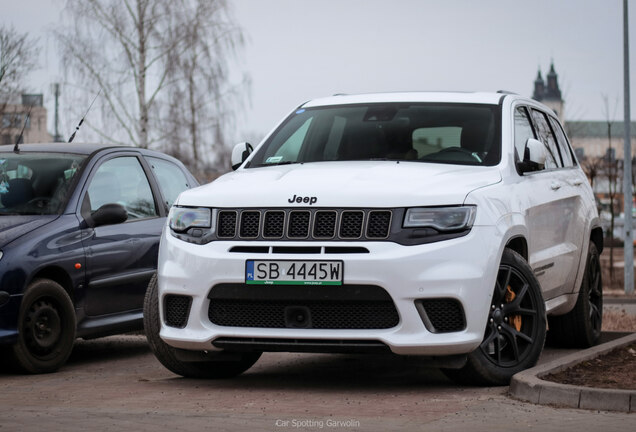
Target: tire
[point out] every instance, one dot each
(515, 330)
(581, 327)
(46, 329)
(221, 365)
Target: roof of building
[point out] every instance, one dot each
(597, 129)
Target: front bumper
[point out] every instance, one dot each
(463, 269)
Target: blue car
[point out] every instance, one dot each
(79, 237)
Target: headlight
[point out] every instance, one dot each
(440, 218)
(181, 219)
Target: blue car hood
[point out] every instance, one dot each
(15, 226)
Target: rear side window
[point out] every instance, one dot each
(547, 138)
(564, 146)
(172, 181)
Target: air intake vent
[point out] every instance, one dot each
(444, 315)
(177, 310)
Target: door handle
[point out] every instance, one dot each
(555, 186)
(577, 182)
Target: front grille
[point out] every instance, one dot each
(379, 223)
(250, 224)
(351, 224)
(297, 306)
(316, 314)
(298, 227)
(444, 315)
(325, 224)
(274, 224)
(177, 309)
(227, 224)
(304, 224)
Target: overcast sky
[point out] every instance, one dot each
(300, 49)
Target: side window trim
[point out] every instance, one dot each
(559, 161)
(555, 123)
(526, 110)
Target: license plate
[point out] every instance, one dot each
(294, 272)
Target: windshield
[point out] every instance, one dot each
(436, 133)
(36, 183)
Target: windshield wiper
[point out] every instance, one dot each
(274, 164)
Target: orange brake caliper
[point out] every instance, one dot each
(515, 320)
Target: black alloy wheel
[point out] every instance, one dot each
(513, 324)
(581, 327)
(515, 329)
(595, 293)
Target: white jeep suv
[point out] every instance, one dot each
(451, 225)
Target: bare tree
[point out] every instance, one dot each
(592, 167)
(201, 101)
(18, 57)
(160, 64)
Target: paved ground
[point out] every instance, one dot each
(115, 384)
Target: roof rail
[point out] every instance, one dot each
(506, 92)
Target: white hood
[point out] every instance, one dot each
(343, 184)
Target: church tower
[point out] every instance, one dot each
(549, 93)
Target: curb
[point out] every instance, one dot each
(529, 387)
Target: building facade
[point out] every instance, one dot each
(27, 113)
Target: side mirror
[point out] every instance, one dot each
(534, 156)
(109, 214)
(240, 152)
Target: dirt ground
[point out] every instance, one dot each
(614, 370)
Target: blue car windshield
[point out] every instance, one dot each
(36, 183)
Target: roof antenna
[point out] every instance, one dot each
(16, 148)
(82, 120)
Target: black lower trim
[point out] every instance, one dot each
(299, 292)
(120, 279)
(301, 345)
(302, 306)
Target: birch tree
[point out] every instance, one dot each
(157, 63)
(18, 57)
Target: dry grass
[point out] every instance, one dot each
(618, 321)
(614, 281)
